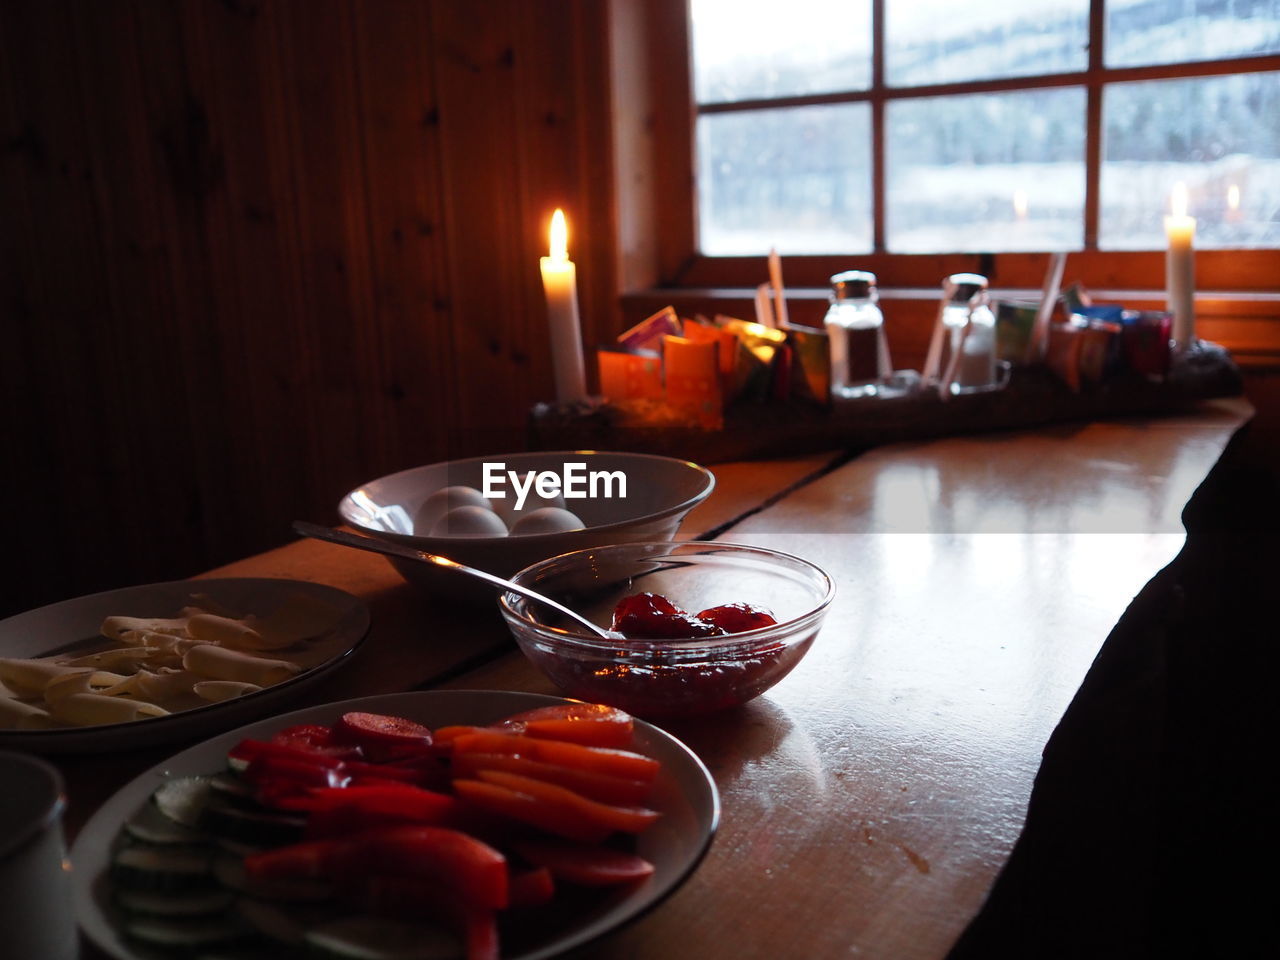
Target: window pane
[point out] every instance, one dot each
(798, 180)
(940, 41)
(986, 172)
(1173, 31)
(1216, 134)
(744, 49)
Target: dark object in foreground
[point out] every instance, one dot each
(1034, 397)
(1147, 834)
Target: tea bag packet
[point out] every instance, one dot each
(693, 380)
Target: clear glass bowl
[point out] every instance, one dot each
(669, 678)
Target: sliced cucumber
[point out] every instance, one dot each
(237, 764)
(232, 789)
(227, 821)
(229, 871)
(149, 825)
(198, 903)
(186, 934)
(161, 868)
(281, 923)
(377, 938)
(183, 799)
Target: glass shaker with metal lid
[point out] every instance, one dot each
(962, 353)
(860, 362)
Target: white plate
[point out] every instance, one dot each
(71, 624)
(685, 794)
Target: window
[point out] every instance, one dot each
(887, 127)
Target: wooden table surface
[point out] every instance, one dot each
(870, 799)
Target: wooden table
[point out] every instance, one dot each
(871, 798)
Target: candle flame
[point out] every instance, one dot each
(1233, 197)
(559, 237)
(1178, 200)
(1020, 204)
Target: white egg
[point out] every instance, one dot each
(441, 502)
(506, 507)
(546, 520)
(469, 521)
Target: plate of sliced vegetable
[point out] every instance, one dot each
(484, 825)
(165, 661)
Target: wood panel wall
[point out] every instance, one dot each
(255, 252)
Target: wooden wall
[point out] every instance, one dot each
(254, 252)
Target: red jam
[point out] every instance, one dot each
(651, 616)
(660, 682)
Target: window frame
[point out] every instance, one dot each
(672, 118)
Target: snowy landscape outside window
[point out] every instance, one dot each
(930, 126)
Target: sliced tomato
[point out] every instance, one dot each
(381, 737)
(531, 888)
(593, 724)
(605, 760)
(596, 786)
(505, 802)
(586, 866)
(606, 816)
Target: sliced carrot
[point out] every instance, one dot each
(607, 816)
(605, 760)
(596, 786)
(495, 799)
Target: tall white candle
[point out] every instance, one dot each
(560, 284)
(1180, 268)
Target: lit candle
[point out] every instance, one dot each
(1180, 231)
(560, 284)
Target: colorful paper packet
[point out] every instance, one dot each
(648, 333)
(1144, 341)
(693, 380)
(810, 363)
(630, 376)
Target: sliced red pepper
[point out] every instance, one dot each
(592, 724)
(503, 801)
(276, 778)
(475, 871)
(385, 771)
(587, 866)
(249, 750)
(314, 738)
(531, 888)
(382, 737)
(608, 817)
(311, 859)
(597, 786)
(605, 760)
(349, 810)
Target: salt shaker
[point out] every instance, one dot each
(962, 354)
(860, 362)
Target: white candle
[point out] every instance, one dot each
(1180, 270)
(560, 284)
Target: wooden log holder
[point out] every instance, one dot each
(1033, 397)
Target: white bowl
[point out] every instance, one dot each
(660, 491)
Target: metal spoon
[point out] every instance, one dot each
(317, 532)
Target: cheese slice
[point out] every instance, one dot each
(88, 709)
(219, 663)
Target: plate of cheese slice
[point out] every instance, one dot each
(160, 662)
